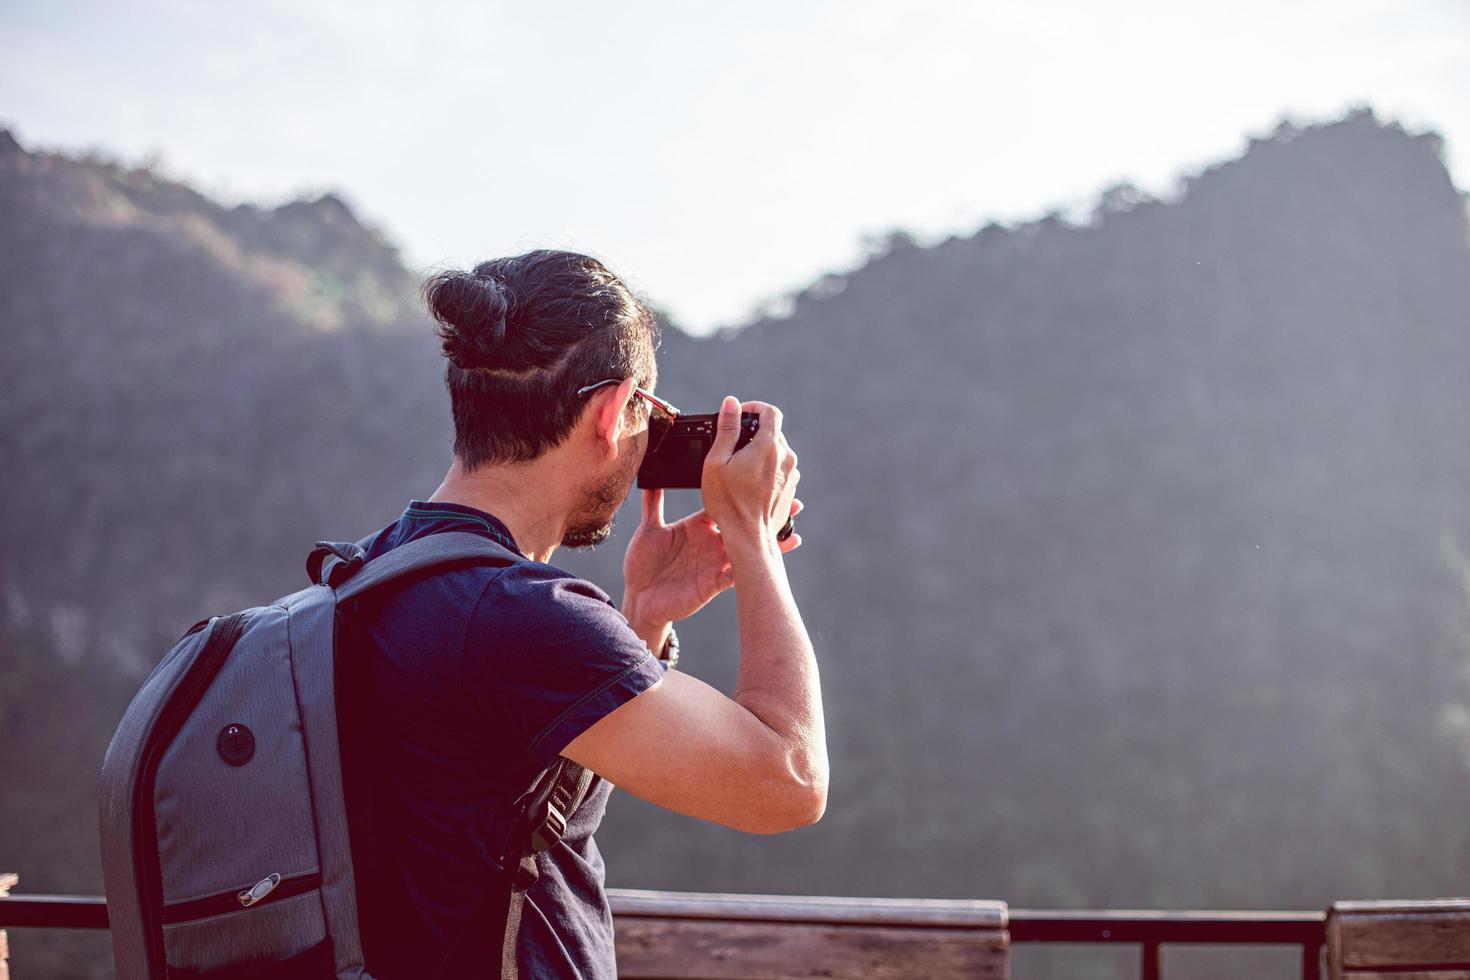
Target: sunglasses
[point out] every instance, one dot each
(661, 414)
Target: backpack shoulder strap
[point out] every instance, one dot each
(544, 821)
(343, 566)
(540, 822)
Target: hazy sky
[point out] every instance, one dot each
(717, 155)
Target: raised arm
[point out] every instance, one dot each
(757, 761)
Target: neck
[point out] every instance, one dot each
(526, 497)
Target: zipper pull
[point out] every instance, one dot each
(262, 888)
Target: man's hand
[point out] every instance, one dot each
(672, 570)
(750, 492)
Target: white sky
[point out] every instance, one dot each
(717, 155)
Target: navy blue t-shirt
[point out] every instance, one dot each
(456, 690)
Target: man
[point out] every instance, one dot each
(460, 687)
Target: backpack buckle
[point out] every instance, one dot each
(333, 562)
(548, 829)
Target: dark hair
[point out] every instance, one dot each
(522, 334)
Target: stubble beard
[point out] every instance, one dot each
(593, 523)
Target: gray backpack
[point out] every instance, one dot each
(225, 847)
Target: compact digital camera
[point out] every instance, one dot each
(677, 462)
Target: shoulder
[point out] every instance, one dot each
(549, 652)
(535, 581)
(544, 607)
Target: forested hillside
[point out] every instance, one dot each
(1135, 548)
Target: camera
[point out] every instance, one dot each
(678, 461)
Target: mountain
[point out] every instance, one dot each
(1134, 550)
(191, 390)
(1139, 537)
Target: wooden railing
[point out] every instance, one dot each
(670, 935)
(664, 935)
(1399, 940)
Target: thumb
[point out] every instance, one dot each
(727, 430)
(653, 507)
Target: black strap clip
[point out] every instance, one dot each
(555, 798)
(547, 828)
(334, 562)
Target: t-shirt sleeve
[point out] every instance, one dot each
(550, 655)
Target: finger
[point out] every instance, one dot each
(653, 507)
(727, 429)
(785, 501)
(791, 543)
(726, 578)
(770, 417)
(796, 506)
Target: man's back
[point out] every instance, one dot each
(456, 690)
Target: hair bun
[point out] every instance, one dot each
(472, 311)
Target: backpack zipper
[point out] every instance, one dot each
(221, 640)
(272, 888)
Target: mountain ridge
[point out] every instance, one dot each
(313, 256)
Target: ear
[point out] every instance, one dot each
(609, 419)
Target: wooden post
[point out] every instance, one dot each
(8, 880)
(1428, 940)
(664, 935)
